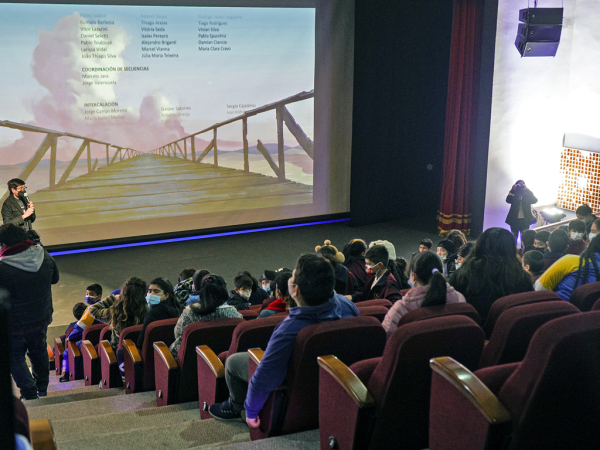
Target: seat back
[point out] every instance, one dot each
(515, 328)
(253, 334)
(267, 301)
(160, 330)
(214, 333)
(129, 333)
(68, 332)
(105, 333)
(352, 339)
(249, 314)
(596, 306)
(401, 382)
(585, 296)
(449, 309)
(92, 333)
(554, 394)
(379, 312)
(375, 302)
(510, 301)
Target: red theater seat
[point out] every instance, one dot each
(374, 302)
(212, 387)
(294, 407)
(550, 400)
(387, 405)
(449, 309)
(111, 375)
(139, 366)
(91, 361)
(59, 348)
(177, 381)
(585, 296)
(91, 334)
(249, 314)
(379, 312)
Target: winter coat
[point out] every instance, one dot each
(386, 287)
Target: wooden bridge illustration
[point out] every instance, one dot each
(164, 182)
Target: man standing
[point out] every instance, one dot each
(27, 272)
(17, 208)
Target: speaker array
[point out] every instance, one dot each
(539, 32)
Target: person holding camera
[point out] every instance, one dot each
(17, 209)
(519, 217)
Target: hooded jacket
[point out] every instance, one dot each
(386, 287)
(238, 302)
(28, 276)
(272, 369)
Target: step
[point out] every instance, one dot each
(305, 440)
(92, 408)
(73, 395)
(191, 433)
(55, 385)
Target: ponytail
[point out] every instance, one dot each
(436, 295)
(213, 293)
(428, 268)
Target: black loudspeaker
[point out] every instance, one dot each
(539, 34)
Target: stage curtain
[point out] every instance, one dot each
(463, 79)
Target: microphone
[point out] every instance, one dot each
(26, 198)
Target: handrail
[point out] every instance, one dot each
(558, 224)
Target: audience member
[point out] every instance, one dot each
(213, 295)
(185, 287)
(584, 213)
(380, 281)
(401, 268)
(457, 237)
(354, 260)
(239, 297)
(527, 241)
(430, 289)
(312, 287)
(540, 243)
(194, 295)
(265, 284)
(557, 247)
(186, 274)
(447, 253)
(519, 216)
(594, 230)
(463, 252)
(344, 280)
(576, 234)
(258, 295)
(391, 265)
(78, 311)
(27, 272)
(93, 294)
(572, 271)
(425, 245)
(283, 301)
(533, 263)
(162, 303)
(492, 270)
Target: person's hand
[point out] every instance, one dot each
(29, 211)
(253, 423)
(514, 187)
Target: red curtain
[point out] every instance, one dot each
(463, 80)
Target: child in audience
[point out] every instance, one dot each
(401, 266)
(162, 303)
(540, 243)
(380, 281)
(446, 251)
(93, 294)
(258, 295)
(457, 237)
(463, 252)
(194, 295)
(527, 240)
(213, 295)
(572, 271)
(354, 260)
(186, 274)
(183, 288)
(557, 247)
(584, 213)
(533, 263)
(594, 230)
(391, 265)
(430, 289)
(311, 286)
(239, 297)
(265, 284)
(491, 271)
(425, 245)
(344, 280)
(576, 234)
(78, 311)
(283, 301)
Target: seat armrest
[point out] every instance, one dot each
(256, 355)
(50, 353)
(166, 355)
(42, 435)
(89, 348)
(130, 347)
(108, 350)
(347, 380)
(212, 360)
(59, 345)
(74, 349)
(471, 388)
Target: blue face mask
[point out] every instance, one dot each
(90, 300)
(267, 288)
(152, 299)
(192, 298)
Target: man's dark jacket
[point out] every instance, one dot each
(28, 277)
(525, 199)
(12, 213)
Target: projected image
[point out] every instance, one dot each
(124, 119)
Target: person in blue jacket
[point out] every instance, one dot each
(312, 287)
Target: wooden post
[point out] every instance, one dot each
(185, 149)
(215, 147)
(107, 157)
(298, 133)
(89, 158)
(53, 162)
(245, 141)
(193, 148)
(279, 114)
(95, 164)
(67, 172)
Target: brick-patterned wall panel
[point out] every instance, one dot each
(579, 179)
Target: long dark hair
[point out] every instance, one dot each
(355, 249)
(401, 265)
(130, 307)
(585, 259)
(492, 266)
(171, 302)
(428, 268)
(213, 293)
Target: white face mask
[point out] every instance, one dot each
(576, 236)
(457, 265)
(593, 235)
(246, 294)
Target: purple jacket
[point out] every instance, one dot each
(272, 370)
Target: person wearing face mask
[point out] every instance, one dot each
(594, 230)
(462, 254)
(380, 282)
(17, 208)
(162, 303)
(193, 295)
(576, 234)
(557, 247)
(239, 297)
(446, 252)
(572, 271)
(519, 216)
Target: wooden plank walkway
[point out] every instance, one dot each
(153, 186)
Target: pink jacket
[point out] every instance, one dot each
(411, 301)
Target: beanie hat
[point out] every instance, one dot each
(338, 255)
(388, 246)
(448, 245)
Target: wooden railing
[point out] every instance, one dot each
(50, 143)
(283, 115)
(555, 225)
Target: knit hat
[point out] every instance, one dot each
(388, 246)
(339, 255)
(448, 245)
(272, 274)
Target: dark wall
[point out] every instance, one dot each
(401, 58)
